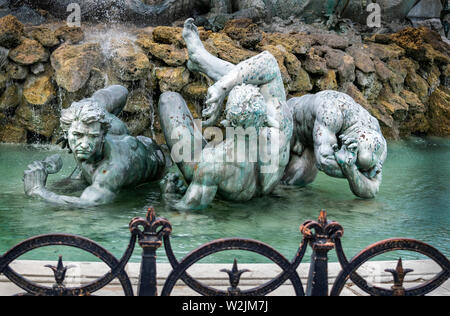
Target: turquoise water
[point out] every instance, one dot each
(413, 202)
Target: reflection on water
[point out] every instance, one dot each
(413, 203)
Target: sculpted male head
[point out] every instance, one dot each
(85, 124)
(246, 107)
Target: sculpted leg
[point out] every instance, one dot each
(113, 99)
(301, 170)
(200, 60)
(180, 131)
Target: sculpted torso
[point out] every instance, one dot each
(334, 134)
(107, 157)
(261, 78)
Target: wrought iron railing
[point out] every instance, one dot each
(152, 233)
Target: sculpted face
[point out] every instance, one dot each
(86, 140)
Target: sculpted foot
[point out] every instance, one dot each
(194, 45)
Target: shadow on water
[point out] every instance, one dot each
(413, 203)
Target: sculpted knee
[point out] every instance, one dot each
(168, 99)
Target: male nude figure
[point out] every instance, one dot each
(238, 181)
(109, 159)
(334, 134)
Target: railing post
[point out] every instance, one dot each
(150, 240)
(318, 272)
(148, 274)
(321, 242)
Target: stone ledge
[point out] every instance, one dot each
(209, 274)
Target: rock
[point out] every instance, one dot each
(11, 31)
(138, 102)
(279, 52)
(369, 84)
(315, 64)
(380, 38)
(222, 46)
(3, 57)
(11, 133)
(386, 52)
(25, 13)
(16, 72)
(394, 104)
(195, 96)
(399, 73)
(387, 123)
(328, 82)
(3, 82)
(446, 76)
(362, 59)
(439, 112)
(383, 71)
(432, 76)
(331, 40)
(415, 123)
(292, 63)
(42, 120)
(73, 64)
(45, 36)
(423, 44)
(244, 31)
(298, 44)
(28, 52)
(301, 82)
(39, 90)
(169, 35)
(413, 101)
(37, 68)
(172, 79)
(418, 85)
(343, 63)
(10, 99)
(130, 63)
(69, 35)
(426, 9)
(97, 80)
(138, 125)
(169, 54)
(196, 91)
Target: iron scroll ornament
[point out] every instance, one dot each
(152, 232)
(33, 289)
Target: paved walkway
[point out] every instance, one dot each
(209, 274)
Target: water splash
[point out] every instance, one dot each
(109, 37)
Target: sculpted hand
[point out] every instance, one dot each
(35, 178)
(347, 155)
(216, 96)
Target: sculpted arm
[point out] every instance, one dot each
(325, 142)
(360, 184)
(92, 196)
(35, 179)
(363, 184)
(259, 70)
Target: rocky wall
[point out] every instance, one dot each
(401, 78)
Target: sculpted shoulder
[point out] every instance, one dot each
(119, 151)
